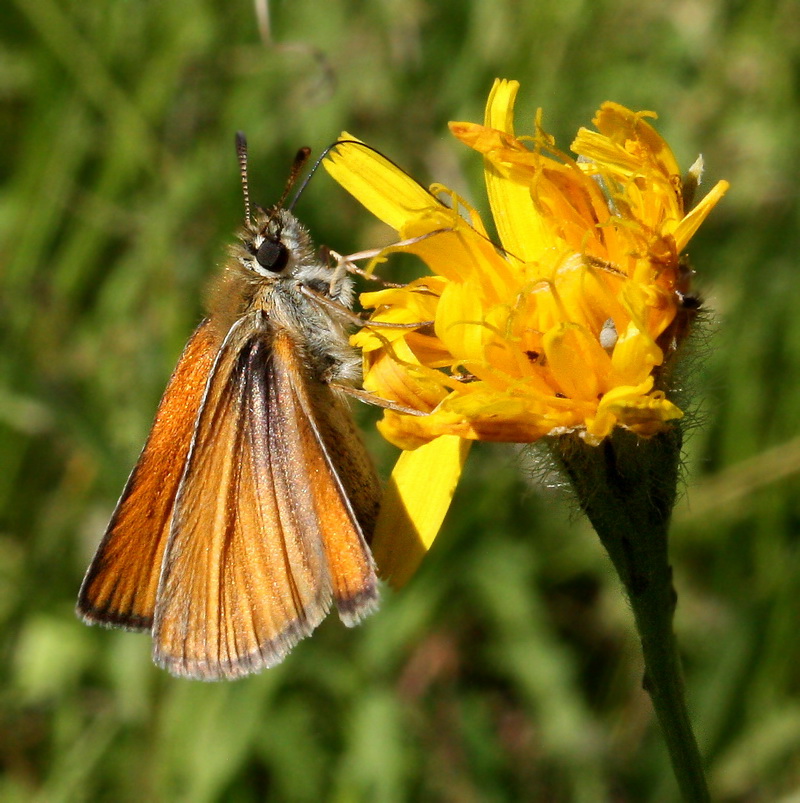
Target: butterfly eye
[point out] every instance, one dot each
(272, 255)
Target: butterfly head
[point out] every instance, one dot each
(274, 244)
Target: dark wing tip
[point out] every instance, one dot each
(358, 606)
(106, 617)
(99, 608)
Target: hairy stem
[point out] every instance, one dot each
(627, 487)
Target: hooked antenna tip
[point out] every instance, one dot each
(300, 159)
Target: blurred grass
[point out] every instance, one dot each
(508, 670)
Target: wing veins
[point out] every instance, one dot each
(255, 550)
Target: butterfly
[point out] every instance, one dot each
(250, 509)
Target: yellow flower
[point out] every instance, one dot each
(568, 326)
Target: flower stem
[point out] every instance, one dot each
(627, 487)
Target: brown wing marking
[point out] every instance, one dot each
(121, 582)
(246, 573)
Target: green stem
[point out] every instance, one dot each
(627, 486)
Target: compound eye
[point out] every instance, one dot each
(272, 255)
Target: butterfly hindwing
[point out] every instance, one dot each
(350, 493)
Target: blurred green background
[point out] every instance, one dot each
(508, 670)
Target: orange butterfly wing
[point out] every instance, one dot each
(121, 582)
(263, 534)
(347, 502)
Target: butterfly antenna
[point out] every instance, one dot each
(313, 170)
(300, 159)
(333, 146)
(241, 154)
(364, 145)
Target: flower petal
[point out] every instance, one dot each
(459, 321)
(579, 363)
(397, 375)
(687, 227)
(382, 187)
(414, 505)
(515, 215)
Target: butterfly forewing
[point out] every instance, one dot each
(249, 569)
(121, 582)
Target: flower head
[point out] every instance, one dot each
(566, 325)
